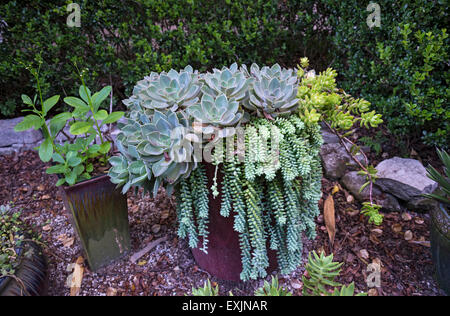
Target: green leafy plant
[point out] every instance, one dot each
(321, 100)
(272, 289)
(442, 180)
(322, 272)
(401, 67)
(74, 162)
(119, 46)
(206, 290)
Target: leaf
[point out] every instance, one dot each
(46, 150)
(77, 277)
(56, 169)
(101, 115)
(29, 121)
(113, 117)
(58, 122)
(100, 96)
(26, 99)
(50, 103)
(82, 91)
(329, 217)
(335, 189)
(105, 147)
(79, 128)
(76, 103)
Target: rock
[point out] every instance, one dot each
(336, 161)
(9, 137)
(421, 204)
(405, 178)
(328, 136)
(353, 182)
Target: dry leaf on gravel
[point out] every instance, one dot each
(77, 277)
(406, 217)
(408, 235)
(329, 216)
(156, 228)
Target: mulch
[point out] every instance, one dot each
(170, 269)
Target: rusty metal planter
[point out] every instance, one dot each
(32, 272)
(440, 245)
(223, 259)
(99, 213)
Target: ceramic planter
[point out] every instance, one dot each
(440, 245)
(99, 213)
(32, 271)
(224, 254)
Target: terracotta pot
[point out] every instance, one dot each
(224, 253)
(99, 212)
(440, 245)
(31, 271)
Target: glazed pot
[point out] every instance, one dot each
(31, 271)
(440, 245)
(223, 259)
(99, 212)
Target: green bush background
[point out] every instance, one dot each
(401, 67)
(121, 41)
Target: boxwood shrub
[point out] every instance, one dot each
(402, 67)
(122, 41)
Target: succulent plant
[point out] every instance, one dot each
(153, 150)
(165, 91)
(274, 91)
(229, 81)
(216, 111)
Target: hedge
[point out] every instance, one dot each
(122, 41)
(401, 67)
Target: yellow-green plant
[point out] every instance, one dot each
(321, 100)
(321, 274)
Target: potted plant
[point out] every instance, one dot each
(241, 155)
(98, 210)
(23, 268)
(440, 222)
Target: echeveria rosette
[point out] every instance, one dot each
(166, 91)
(231, 82)
(154, 151)
(273, 93)
(216, 115)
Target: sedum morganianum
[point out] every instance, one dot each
(166, 91)
(273, 92)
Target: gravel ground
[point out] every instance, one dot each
(170, 269)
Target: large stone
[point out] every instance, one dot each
(353, 182)
(328, 136)
(9, 137)
(405, 178)
(336, 161)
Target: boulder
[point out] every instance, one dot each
(9, 137)
(328, 136)
(404, 178)
(353, 182)
(336, 161)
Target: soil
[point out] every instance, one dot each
(170, 269)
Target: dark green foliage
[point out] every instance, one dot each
(443, 180)
(400, 67)
(122, 41)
